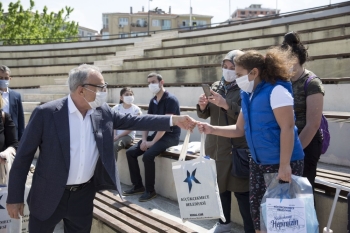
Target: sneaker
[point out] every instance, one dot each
(133, 191)
(220, 228)
(146, 196)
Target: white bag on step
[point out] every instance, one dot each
(196, 185)
(8, 225)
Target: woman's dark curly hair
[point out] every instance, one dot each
(292, 41)
(276, 64)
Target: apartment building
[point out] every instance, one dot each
(254, 10)
(136, 24)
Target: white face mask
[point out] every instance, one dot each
(244, 83)
(154, 88)
(128, 99)
(100, 99)
(229, 75)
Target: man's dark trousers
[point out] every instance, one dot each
(148, 160)
(75, 208)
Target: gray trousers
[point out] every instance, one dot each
(121, 143)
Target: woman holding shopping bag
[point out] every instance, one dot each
(223, 107)
(266, 119)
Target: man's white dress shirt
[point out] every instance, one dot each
(5, 97)
(83, 149)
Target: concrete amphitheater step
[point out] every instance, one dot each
(54, 89)
(61, 81)
(30, 106)
(41, 97)
(301, 27)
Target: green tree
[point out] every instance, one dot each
(19, 26)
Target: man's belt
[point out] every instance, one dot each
(76, 187)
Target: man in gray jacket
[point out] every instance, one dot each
(75, 137)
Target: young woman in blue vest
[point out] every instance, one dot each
(266, 120)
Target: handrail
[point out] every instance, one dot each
(185, 29)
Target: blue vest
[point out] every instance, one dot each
(261, 128)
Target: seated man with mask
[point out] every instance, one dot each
(163, 103)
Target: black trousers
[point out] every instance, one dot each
(148, 160)
(312, 155)
(75, 208)
(244, 209)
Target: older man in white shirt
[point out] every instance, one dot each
(75, 136)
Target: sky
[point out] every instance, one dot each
(89, 12)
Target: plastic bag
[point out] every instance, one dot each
(288, 207)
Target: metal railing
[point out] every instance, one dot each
(180, 28)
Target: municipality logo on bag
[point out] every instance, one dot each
(191, 178)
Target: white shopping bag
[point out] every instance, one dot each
(8, 225)
(196, 186)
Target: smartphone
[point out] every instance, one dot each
(206, 89)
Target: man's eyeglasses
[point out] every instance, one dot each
(101, 88)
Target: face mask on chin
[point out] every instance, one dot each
(128, 99)
(100, 99)
(229, 75)
(154, 88)
(244, 83)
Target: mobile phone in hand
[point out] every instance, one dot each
(206, 89)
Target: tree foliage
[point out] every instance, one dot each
(19, 26)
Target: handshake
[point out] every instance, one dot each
(188, 123)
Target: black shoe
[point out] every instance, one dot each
(146, 196)
(133, 191)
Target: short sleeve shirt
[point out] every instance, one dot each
(168, 104)
(315, 86)
(133, 110)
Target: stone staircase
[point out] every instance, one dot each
(44, 94)
(134, 51)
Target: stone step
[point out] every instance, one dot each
(138, 52)
(109, 62)
(147, 43)
(147, 46)
(27, 117)
(61, 81)
(122, 57)
(41, 97)
(110, 67)
(54, 89)
(30, 106)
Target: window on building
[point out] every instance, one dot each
(242, 12)
(105, 21)
(141, 23)
(166, 24)
(155, 23)
(123, 21)
(105, 35)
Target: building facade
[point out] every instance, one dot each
(87, 33)
(253, 11)
(122, 25)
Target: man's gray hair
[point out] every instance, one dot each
(79, 75)
(5, 69)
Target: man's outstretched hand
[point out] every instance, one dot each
(184, 122)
